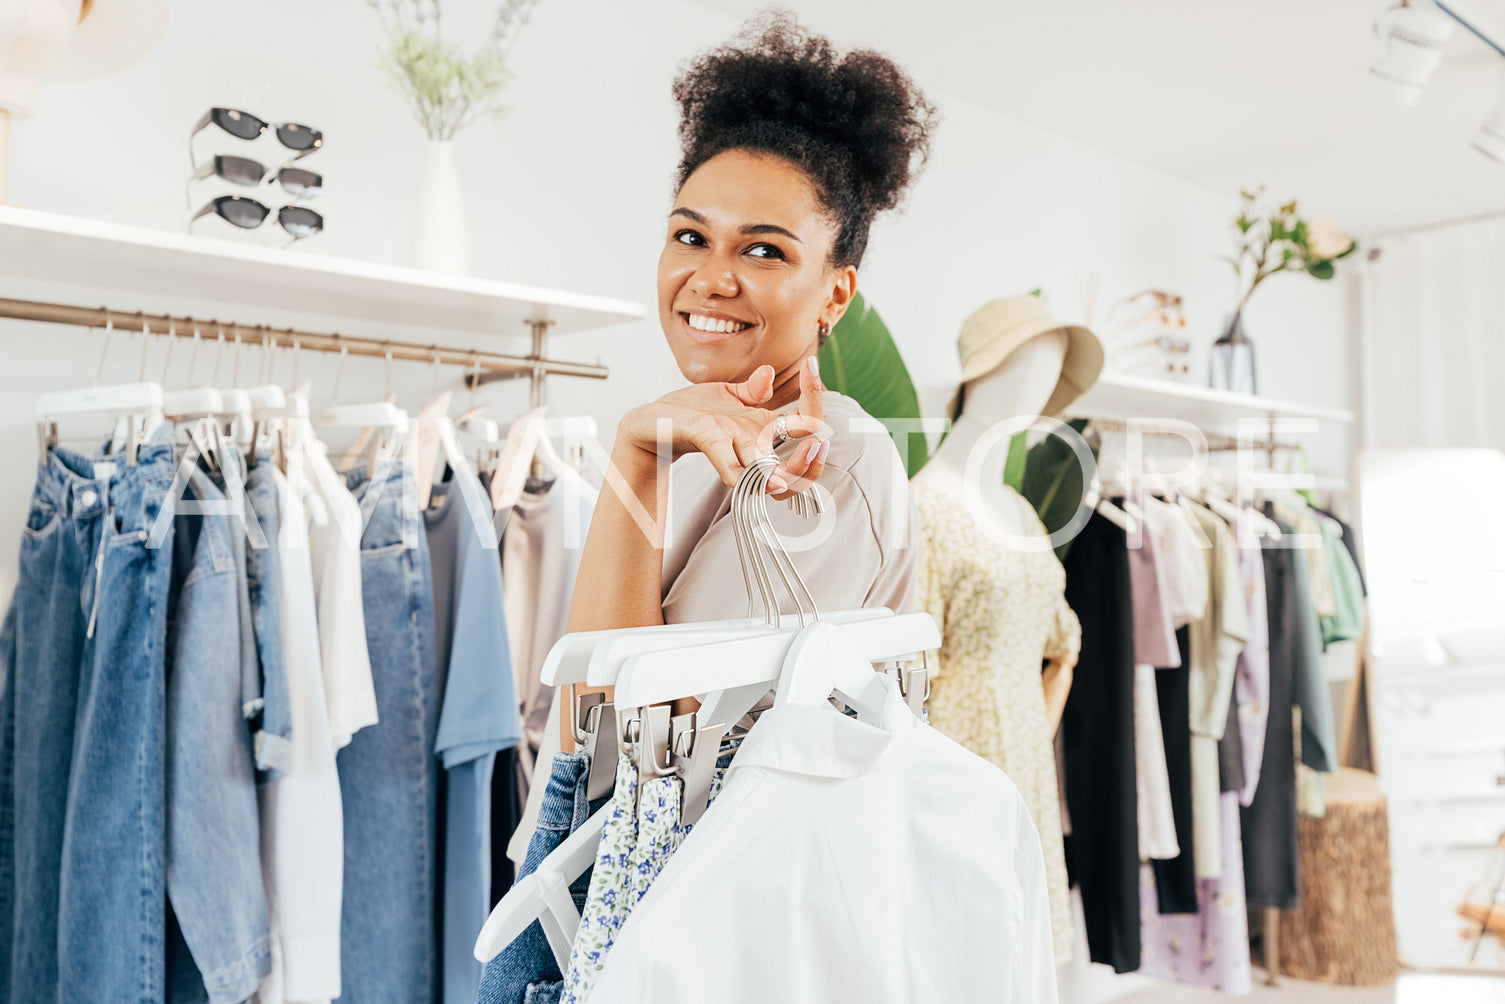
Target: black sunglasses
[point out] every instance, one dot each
(243, 125)
(296, 181)
(248, 214)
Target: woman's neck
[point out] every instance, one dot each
(786, 382)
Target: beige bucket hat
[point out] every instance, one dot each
(998, 328)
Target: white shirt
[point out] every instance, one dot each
(846, 862)
(334, 539)
(302, 821)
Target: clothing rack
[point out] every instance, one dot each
(1215, 443)
(501, 366)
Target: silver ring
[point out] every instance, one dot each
(780, 429)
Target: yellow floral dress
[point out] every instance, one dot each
(1000, 611)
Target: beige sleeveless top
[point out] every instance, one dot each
(860, 553)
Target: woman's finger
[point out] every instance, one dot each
(722, 454)
(811, 403)
(803, 467)
(756, 389)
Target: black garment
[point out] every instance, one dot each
(1097, 735)
(1231, 751)
(1176, 879)
(506, 814)
(1272, 876)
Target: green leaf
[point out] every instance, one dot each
(861, 361)
(1013, 467)
(1248, 196)
(1351, 249)
(1037, 293)
(1289, 209)
(1238, 268)
(1321, 269)
(1298, 233)
(1244, 223)
(1053, 482)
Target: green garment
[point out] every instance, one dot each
(1348, 589)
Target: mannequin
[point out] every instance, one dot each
(1020, 386)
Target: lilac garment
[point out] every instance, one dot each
(1251, 683)
(1209, 948)
(1154, 635)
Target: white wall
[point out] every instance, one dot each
(572, 189)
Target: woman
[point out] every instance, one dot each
(790, 150)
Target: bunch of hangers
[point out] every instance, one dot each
(731, 666)
(266, 416)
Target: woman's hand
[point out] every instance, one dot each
(726, 423)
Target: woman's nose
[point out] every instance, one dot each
(715, 277)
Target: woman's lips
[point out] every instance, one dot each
(710, 337)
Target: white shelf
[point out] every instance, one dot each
(157, 264)
(1125, 397)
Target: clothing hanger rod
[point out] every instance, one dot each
(500, 366)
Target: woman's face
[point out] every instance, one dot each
(747, 241)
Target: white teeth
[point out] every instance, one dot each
(709, 324)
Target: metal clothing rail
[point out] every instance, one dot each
(500, 365)
(1215, 443)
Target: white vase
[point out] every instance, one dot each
(439, 216)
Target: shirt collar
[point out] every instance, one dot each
(823, 742)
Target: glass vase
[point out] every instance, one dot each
(1231, 362)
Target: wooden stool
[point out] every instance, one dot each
(1345, 930)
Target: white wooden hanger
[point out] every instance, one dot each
(136, 408)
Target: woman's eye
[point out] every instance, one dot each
(682, 233)
(776, 252)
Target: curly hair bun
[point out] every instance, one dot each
(856, 124)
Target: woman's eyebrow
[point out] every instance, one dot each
(751, 228)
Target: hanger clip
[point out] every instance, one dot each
(914, 684)
(694, 749)
(595, 733)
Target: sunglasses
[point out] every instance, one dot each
(296, 181)
(243, 125)
(248, 214)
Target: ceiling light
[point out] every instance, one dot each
(1408, 42)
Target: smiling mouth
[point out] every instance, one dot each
(710, 337)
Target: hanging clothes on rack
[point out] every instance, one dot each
(389, 775)
(1154, 646)
(479, 715)
(302, 822)
(1186, 584)
(218, 942)
(1211, 947)
(1216, 641)
(1097, 741)
(543, 535)
(1001, 611)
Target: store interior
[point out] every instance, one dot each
(1119, 167)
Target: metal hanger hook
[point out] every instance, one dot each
(193, 357)
(146, 343)
(219, 353)
(172, 331)
(109, 330)
(339, 373)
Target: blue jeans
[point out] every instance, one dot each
(273, 728)
(528, 960)
(213, 838)
(389, 775)
(82, 656)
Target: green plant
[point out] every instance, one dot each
(1053, 481)
(446, 87)
(1274, 241)
(861, 361)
